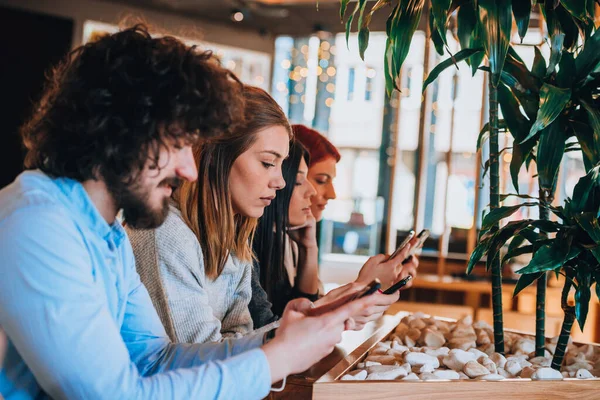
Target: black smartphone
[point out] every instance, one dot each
(398, 285)
(403, 244)
(325, 308)
(421, 238)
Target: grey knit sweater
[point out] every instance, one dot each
(192, 307)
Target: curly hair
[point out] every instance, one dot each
(111, 104)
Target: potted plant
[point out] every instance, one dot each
(552, 108)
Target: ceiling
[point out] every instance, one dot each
(275, 17)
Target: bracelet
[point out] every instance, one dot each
(269, 335)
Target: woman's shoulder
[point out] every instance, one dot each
(175, 231)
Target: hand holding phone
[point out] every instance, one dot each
(325, 308)
(398, 285)
(421, 238)
(403, 244)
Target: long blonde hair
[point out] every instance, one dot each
(206, 204)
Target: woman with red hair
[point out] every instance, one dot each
(321, 172)
(322, 169)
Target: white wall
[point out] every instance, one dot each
(113, 13)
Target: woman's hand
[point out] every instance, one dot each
(392, 270)
(375, 304)
(409, 268)
(305, 235)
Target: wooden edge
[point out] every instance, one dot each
(380, 331)
(505, 389)
(389, 322)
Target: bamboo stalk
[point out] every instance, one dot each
(495, 203)
(565, 331)
(542, 283)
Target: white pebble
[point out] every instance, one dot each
(446, 374)
(419, 359)
(356, 375)
(546, 374)
(583, 374)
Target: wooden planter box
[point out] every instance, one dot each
(322, 381)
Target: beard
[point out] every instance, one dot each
(134, 200)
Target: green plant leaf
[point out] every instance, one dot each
(517, 252)
(594, 118)
(497, 17)
(404, 23)
(583, 295)
(552, 102)
(547, 258)
(521, 196)
(436, 36)
(349, 24)
(585, 138)
(589, 57)
(526, 280)
(439, 11)
(495, 215)
(502, 236)
(546, 226)
(518, 125)
(478, 252)
(458, 57)
(363, 41)
(387, 70)
(588, 221)
(550, 151)
(343, 6)
(566, 72)
(539, 64)
(522, 12)
(577, 8)
(363, 26)
(597, 279)
(478, 40)
(557, 36)
(467, 21)
(484, 134)
(569, 26)
(583, 190)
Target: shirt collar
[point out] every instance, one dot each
(81, 203)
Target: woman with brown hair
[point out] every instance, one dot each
(197, 266)
(324, 157)
(286, 241)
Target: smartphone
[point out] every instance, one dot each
(366, 291)
(421, 238)
(398, 285)
(403, 244)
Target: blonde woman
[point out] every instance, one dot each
(198, 265)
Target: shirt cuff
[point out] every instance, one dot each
(253, 374)
(249, 342)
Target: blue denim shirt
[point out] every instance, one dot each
(78, 320)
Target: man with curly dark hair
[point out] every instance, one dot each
(112, 132)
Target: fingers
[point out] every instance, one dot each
(347, 311)
(350, 325)
(403, 254)
(378, 259)
(299, 305)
